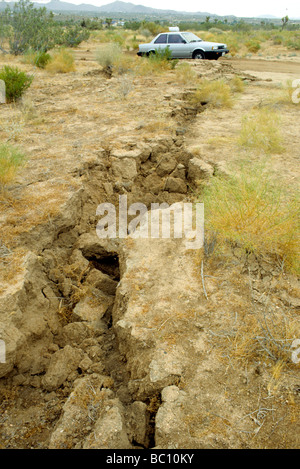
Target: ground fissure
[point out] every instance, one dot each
(113, 343)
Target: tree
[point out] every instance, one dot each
(108, 22)
(285, 21)
(29, 27)
(26, 27)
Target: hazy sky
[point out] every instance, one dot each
(219, 7)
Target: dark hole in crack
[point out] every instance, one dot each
(153, 404)
(109, 265)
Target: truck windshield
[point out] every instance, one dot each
(191, 37)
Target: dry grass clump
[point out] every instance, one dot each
(260, 131)
(157, 63)
(108, 55)
(111, 57)
(62, 61)
(236, 84)
(11, 265)
(251, 210)
(214, 93)
(185, 74)
(11, 159)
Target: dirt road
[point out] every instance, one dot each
(259, 65)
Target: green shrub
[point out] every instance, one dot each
(39, 59)
(74, 35)
(16, 82)
(163, 56)
(10, 161)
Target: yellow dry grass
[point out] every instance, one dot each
(250, 209)
(214, 93)
(260, 131)
(62, 61)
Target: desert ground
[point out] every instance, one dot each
(139, 343)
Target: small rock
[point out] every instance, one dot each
(176, 185)
(62, 364)
(166, 165)
(124, 168)
(103, 282)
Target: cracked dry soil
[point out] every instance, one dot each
(115, 343)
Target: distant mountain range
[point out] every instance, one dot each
(114, 7)
(117, 7)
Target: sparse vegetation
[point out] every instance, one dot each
(185, 74)
(261, 132)
(250, 209)
(237, 84)
(11, 159)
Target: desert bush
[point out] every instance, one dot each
(109, 55)
(39, 59)
(293, 42)
(11, 159)
(26, 27)
(250, 209)
(236, 84)
(277, 40)
(163, 57)
(16, 82)
(113, 60)
(157, 62)
(145, 32)
(62, 61)
(260, 131)
(29, 27)
(215, 93)
(253, 46)
(28, 110)
(74, 35)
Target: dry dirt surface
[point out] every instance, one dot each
(132, 343)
